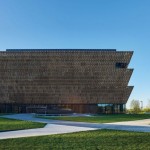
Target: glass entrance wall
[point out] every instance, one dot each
(63, 109)
(111, 108)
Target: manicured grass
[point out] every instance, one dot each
(2, 114)
(103, 118)
(89, 140)
(12, 124)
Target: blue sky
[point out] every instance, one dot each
(114, 24)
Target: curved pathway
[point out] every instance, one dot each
(59, 127)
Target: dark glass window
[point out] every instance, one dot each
(121, 65)
(111, 108)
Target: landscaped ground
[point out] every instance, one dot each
(102, 118)
(12, 124)
(90, 140)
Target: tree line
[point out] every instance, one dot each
(137, 107)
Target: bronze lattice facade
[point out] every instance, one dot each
(64, 80)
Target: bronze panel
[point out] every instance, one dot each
(64, 77)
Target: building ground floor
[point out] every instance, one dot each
(63, 108)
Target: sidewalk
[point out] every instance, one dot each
(145, 122)
(47, 130)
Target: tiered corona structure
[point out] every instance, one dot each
(64, 80)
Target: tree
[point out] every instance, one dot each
(148, 104)
(135, 106)
(147, 108)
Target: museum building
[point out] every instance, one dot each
(55, 81)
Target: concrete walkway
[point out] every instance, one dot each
(144, 122)
(59, 127)
(49, 129)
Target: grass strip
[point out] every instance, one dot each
(101, 118)
(89, 140)
(12, 124)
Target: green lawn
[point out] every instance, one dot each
(89, 140)
(2, 114)
(12, 124)
(103, 118)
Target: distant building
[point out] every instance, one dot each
(64, 80)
